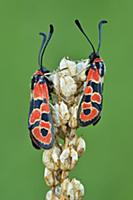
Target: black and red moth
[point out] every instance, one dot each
(90, 107)
(40, 123)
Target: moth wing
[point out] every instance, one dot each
(91, 102)
(40, 122)
(34, 142)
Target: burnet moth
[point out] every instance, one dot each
(40, 123)
(90, 107)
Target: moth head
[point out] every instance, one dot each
(44, 70)
(93, 56)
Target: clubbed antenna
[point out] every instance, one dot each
(44, 45)
(40, 51)
(100, 33)
(81, 29)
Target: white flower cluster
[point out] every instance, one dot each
(68, 89)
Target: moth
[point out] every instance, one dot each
(40, 122)
(91, 104)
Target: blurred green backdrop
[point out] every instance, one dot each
(106, 169)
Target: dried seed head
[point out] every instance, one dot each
(69, 83)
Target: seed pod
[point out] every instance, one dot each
(64, 129)
(70, 191)
(58, 191)
(50, 177)
(81, 146)
(82, 76)
(73, 120)
(81, 68)
(55, 79)
(78, 189)
(65, 159)
(71, 67)
(56, 115)
(64, 113)
(73, 138)
(47, 159)
(56, 155)
(64, 68)
(64, 187)
(64, 175)
(74, 158)
(51, 196)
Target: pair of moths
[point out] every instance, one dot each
(89, 112)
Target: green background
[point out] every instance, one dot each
(106, 168)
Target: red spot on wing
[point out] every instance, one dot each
(96, 76)
(86, 105)
(90, 74)
(40, 91)
(48, 138)
(45, 91)
(96, 97)
(93, 75)
(45, 108)
(89, 117)
(35, 115)
(45, 125)
(36, 131)
(43, 139)
(88, 90)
